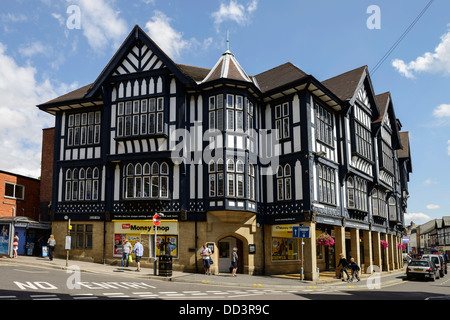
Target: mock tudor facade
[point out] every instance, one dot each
(231, 160)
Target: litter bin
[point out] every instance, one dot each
(165, 266)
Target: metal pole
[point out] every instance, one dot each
(301, 272)
(155, 262)
(67, 251)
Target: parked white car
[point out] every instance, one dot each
(438, 261)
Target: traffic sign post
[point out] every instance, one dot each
(156, 223)
(302, 233)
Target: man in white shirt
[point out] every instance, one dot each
(206, 254)
(139, 252)
(126, 249)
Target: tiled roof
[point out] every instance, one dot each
(279, 76)
(382, 100)
(227, 68)
(75, 95)
(195, 73)
(344, 85)
(404, 152)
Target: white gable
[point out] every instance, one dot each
(139, 60)
(363, 97)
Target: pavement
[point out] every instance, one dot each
(288, 281)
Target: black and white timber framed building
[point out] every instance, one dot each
(231, 160)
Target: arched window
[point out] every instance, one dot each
(164, 180)
(375, 204)
(350, 193)
(88, 184)
(145, 181)
(220, 178)
(130, 181)
(327, 184)
(251, 182)
(284, 183)
(287, 182)
(392, 209)
(212, 166)
(81, 184)
(280, 183)
(68, 185)
(240, 183)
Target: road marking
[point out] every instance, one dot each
(116, 295)
(28, 271)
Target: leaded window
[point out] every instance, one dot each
(146, 181)
(282, 122)
(82, 184)
(84, 129)
(327, 184)
(357, 194)
(140, 117)
(284, 185)
(324, 125)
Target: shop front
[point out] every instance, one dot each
(29, 232)
(167, 237)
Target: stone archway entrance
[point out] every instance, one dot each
(225, 248)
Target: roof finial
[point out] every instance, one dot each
(228, 42)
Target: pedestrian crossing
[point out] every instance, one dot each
(167, 295)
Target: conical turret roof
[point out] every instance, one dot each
(227, 68)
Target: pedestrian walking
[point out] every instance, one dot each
(139, 252)
(344, 268)
(126, 249)
(234, 260)
(51, 242)
(15, 244)
(355, 269)
(206, 255)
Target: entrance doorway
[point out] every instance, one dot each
(225, 247)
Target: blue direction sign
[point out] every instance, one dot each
(300, 232)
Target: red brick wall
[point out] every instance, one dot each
(48, 143)
(29, 206)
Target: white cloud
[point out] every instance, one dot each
(434, 62)
(235, 11)
(433, 206)
(101, 24)
(442, 111)
(33, 49)
(22, 122)
(60, 18)
(166, 37)
(418, 218)
(11, 17)
(429, 182)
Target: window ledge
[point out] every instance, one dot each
(139, 137)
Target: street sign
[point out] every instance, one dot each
(156, 220)
(300, 232)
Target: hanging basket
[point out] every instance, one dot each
(384, 244)
(325, 240)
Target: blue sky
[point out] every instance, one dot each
(47, 49)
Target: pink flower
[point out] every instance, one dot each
(384, 244)
(325, 240)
